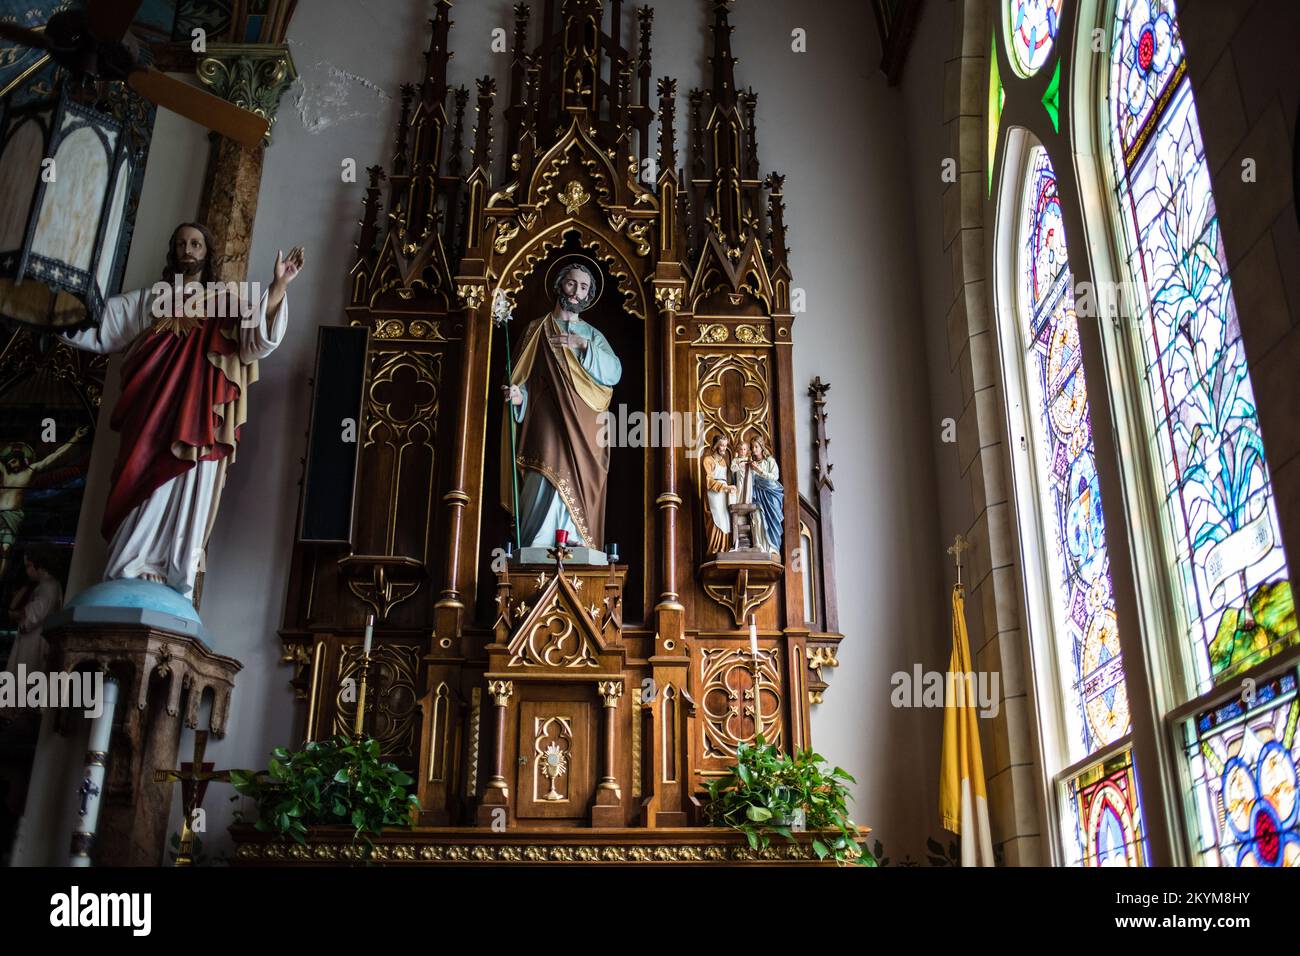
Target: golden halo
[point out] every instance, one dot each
(577, 258)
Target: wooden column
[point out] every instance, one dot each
(669, 500)
(450, 609)
(497, 792)
(608, 809)
(796, 630)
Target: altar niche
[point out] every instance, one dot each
(628, 513)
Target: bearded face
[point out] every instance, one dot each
(190, 251)
(573, 292)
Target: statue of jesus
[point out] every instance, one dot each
(563, 379)
(185, 379)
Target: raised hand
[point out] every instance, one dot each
(287, 268)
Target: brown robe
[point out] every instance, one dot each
(558, 437)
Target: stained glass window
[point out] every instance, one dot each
(1217, 494)
(997, 97)
(1097, 711)
(1031, 27)
(1243, 757)
(1104, 815)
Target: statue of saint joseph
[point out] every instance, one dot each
(185, 379)
(563, 378)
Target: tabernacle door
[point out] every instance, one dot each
(557, 752)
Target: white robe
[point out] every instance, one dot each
(29, 647)
(163, 538)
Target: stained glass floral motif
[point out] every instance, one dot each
(1084, 607)
(1218, 497)
(1103, 812)
(1031, 27)
(1147, 59)
(1243, 757)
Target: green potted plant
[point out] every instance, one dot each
(767, 791)
(328, 782)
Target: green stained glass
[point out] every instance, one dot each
(1052, 98)
(997, 96)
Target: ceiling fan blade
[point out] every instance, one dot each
(108, 19)
(23, 37)
(244, 127)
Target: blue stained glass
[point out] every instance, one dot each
(1243, 757)
(1031, 27)
(1084, 607)
(1231, 568)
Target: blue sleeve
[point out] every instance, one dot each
(599, 360)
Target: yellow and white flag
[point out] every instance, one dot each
(963, 799)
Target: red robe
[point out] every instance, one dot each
(173, 410)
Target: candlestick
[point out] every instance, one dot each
(561, 537)
(753, 656)
(370, 635)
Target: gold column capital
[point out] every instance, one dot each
(610, 691)
(253, 76)
(501, 691)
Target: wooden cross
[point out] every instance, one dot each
(193, 778)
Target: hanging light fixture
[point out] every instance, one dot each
(66, 177)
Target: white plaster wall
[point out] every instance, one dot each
(827, 120)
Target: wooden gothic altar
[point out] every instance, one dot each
(603, 696)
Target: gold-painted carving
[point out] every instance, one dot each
(610, 691)
(574, 197)
(392, 705)
(554, 640)
(552, 741)
(500, 691)
(318, 853)
(638, 232)
(507, 229)
(731, 712)
(668, 298)
(471, 294)
(475, 711)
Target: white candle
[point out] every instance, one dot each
(370, 634)
(753, 638)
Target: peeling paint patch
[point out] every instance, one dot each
(326, 95)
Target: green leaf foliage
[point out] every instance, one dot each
(765, 789)
(329, 782)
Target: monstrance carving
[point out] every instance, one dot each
(552, 741)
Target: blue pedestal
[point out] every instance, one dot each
(132, 601)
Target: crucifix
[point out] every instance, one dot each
(85, 792)
(193, 778)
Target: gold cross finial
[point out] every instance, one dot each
(959, 544)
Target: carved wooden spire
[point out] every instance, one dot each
(435, 58)
(723, 63)
(667, 124)
(403, 128)
(823, 488)
(514, 113)
(775, 182)
(482, 153)
(645, 20)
